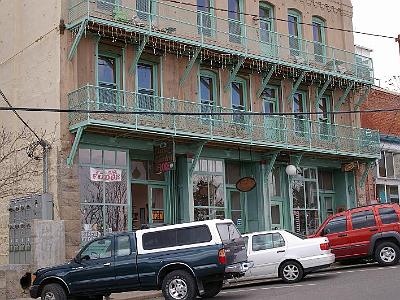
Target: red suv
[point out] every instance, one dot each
(370, 231)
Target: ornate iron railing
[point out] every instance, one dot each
(141, 112)
(182, 22)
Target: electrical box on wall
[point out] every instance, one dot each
(21, 213)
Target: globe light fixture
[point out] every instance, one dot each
(291, 170)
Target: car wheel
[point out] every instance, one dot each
(291, 272)
(179, 285)
(387, 254)
(212, 289)
(53, 291)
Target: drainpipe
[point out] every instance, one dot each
(46, 148)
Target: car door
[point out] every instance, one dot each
(363, 226)
(126, 272)
(95, 271)
(267, 250)
(336, 230)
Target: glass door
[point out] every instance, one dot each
(204, 17)
(276, 215)
(236, 207)
(235, 23)
(157, 204)
(267, 36)
(327, 205)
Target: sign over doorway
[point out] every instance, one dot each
(164, 157)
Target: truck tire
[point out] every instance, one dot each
(291, 271)
(212, 289)
(53, 291)
(179, 285)
(387, 254)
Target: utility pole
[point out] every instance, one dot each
(398, 41)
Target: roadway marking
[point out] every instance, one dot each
(355, 271)
(269, 288)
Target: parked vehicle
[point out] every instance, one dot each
(182, 260)
(289, 256)
(370, 231)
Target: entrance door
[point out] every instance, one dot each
(276, 215)
(326, 203)
(157, 204)
(236, 206)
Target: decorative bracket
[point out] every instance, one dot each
(71, 156)
(196, 157)
(271, 164)
(321, 92)
(362, 98)
(78, 37)
(139, 52)
(296, 159)
(342, 99)
(296, 86)
(265, 81)
(234, 73)
(189, 66)
(368, 166)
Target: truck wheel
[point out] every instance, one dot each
(179, 285)
(212, 289)
(291, 272)
(53, 291)
(387, 254)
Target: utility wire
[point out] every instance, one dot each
(278, 19)
(169, 113)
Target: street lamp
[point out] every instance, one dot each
(291, 170)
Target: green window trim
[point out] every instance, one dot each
(319, 46)
(239, 118)
(155, 67)
(212, 16)
(296, 14)
(271, 9)
(274, 101)
(214, 77)
(304, 102)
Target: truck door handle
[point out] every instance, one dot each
(107, 264)
(281, 251)
(373, 229)
(342, 235)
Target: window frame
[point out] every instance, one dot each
(299, 19)
(275, 101)
(97, 240)
(371, 212)
(214, 78)
(388, 208)
(346, 225)
(321, 24)
(243, 82)
(384, 158)
(211, 14)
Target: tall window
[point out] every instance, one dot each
(267, 37)
(386, 164)
(324, 118)
(238, 99)
(103, 192)
(108, 78)
(205, 17)
(208, 92)
(106, 5)
(294, 27)
(270, 97)
(144, 9)
(299, 107)
(208, 190)
(146, 85)
(318, 26)
(235, 23)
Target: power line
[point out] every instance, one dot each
(169, 113)
(31, 44)
(278, 19)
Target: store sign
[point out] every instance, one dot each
(106, 175)
(164, 157)
(158, 215)
(349, 167)
(88, 235)
(246, 184)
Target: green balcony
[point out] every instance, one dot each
(143, 114)
(184, 24)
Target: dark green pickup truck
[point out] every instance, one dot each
(184, 261)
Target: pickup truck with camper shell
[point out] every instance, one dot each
(184, 261)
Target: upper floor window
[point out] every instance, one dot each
(389, 165)
(144, 9)
(208, 87)
(267, 37)
(205, 17)
(107, 5)
(235, 9)
(108, 77)
(270, 97)
(146, 85)
(318, 26)
(238, 98)
(294, 27)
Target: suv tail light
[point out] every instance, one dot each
(222, 257)
(324, 246)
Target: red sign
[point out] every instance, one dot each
(106, 175)
(246, 184)
(164, 157)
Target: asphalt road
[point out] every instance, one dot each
(369, 282)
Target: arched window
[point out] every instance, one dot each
(318, 26)
(267, 27)
(295, 31)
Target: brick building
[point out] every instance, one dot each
(383, 181)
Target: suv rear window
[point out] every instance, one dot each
(176, 237)
(363, 219)
(228, 232)
(388, 215)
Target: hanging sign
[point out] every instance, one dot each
(106, 175)
(164, 157)
(246, 184)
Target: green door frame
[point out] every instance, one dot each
(151, 187)
(323, 210)
(243, 227)
(281, 212)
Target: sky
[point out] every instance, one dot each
(381, 17)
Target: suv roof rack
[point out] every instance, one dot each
(374, 204)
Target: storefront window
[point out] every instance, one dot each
(103, 192)
(208, 190)
(232, 171)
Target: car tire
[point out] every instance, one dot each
(53, 291)
(212, 289)
(387, 254)
(179, 285)
(291, 272)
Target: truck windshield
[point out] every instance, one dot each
(228, 232)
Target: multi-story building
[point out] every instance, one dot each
(383, 182)
(185, 83)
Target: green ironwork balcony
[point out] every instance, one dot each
(226, 125)
(183, 23)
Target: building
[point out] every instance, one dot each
(125, 64)
(384, 178)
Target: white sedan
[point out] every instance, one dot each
(289, 256)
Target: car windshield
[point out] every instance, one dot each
(300, 236)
